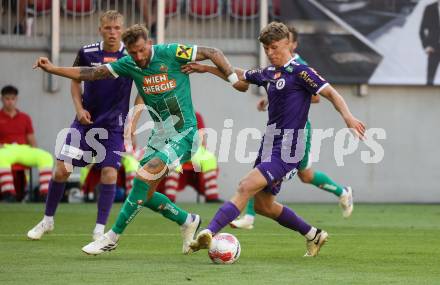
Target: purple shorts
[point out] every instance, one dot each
(84, 145)
(275, 169)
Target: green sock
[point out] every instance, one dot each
(321, 180)
(158, 203)
(250, 207)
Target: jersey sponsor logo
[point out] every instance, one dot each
(306, 77)
(184, 52)
(158, 83)
(252, 71)
(289, 175)
(108, 59)
(280, 84)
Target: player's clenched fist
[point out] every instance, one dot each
(193, 67)
(43, 63)
(262, 104)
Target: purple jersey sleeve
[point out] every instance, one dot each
(311, 80)
(255, 76)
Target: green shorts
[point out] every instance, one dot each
(173, 149)
(306, 162)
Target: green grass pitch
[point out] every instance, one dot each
(380, 244)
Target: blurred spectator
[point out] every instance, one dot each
(149, 13)
(25, 9)
(18, 146)
(430, 36)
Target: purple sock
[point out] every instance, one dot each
(226, 214)
(105, 201)
(290, 220)
(54, 196)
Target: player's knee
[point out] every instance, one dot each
(109, 175)
(61, 172)
(155, 166)
(153, 170)
(265, 210)
(261, 209)
(245, 188)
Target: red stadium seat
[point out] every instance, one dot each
(79, 7)
(243, 9)
(276, 8)
(203, 8)
(171, 7)
(42, 6)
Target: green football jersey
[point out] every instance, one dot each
(163, 87)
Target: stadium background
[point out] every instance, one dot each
(408, 172)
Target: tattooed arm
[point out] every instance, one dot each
(76, 73)
(192, 67)
(217, 57)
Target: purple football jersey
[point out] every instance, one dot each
(289, 90)
(107, 100)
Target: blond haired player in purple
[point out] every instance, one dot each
(101, 110)
(289, 86)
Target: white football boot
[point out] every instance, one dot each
(188, 232)
(246, 222)
(40, 229)
(97, 235)
(346, 202)
(203, 241)
(103, 244)
(314, 245)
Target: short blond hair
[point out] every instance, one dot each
(111, 15)
(132, 34)
(273, 32)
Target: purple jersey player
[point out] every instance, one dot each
(289, 86)
(97, 130)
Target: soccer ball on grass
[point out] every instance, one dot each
(225, 249)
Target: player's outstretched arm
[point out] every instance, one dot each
(194, 67)
(339, 103)
(217, 57)
(75, 73)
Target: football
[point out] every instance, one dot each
(225, 249)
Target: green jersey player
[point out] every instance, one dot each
(166, 92)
